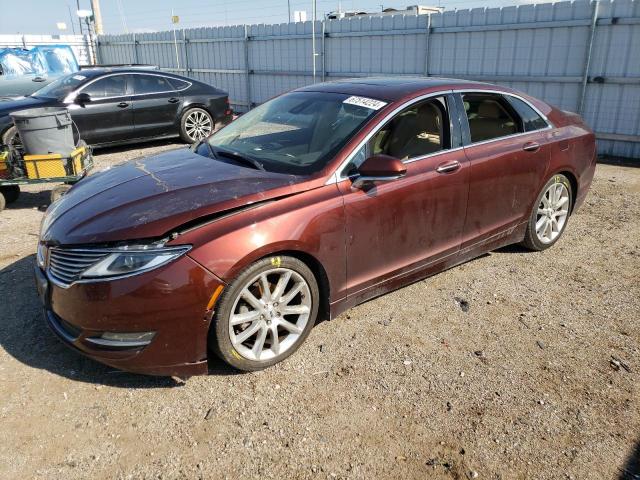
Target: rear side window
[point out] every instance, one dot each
(112, 86)
(490, 116)
(531, 120)
(178, 84)
(145, 84)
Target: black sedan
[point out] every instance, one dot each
(125, 105)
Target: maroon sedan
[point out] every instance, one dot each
(313, 202)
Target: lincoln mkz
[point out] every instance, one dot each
(311, 203)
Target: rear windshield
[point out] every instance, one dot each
(299, 132)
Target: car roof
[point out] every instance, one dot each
(392, 88)
(97, 71)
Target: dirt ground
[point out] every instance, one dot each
(538, 378)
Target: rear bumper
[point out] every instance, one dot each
(171, 302)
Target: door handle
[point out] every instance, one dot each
(174, 100)
(39, 79)
(531, 147)
(448, 167)
(123, 105)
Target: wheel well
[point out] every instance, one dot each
(321, 276)
(574, 186)
(192, 106)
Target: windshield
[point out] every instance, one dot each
(296, 133)
(61, 87)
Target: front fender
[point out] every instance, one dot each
(311, 223)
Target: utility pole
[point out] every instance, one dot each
(97, 16)
(289, 9)
(79, 19)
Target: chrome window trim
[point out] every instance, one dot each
(498, 92)
(339, 175)
(71, 97)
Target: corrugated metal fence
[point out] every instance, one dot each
(580, 56)
(81, 44)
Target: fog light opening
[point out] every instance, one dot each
(123, 340)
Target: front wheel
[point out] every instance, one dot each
(196, 124)
(265, 314)
(550, 214)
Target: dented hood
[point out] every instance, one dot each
(148, 197)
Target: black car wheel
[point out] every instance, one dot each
(196, 124)
(10, 193)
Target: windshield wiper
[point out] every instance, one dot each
(236, 156)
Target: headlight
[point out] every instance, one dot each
(41, 255)
(132, 261)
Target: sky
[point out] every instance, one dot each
(120, 16)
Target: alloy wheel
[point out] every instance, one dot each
(198, 125)
(552, 212)
(270, 314)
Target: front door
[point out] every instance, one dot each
(397, 227)
(108, 116)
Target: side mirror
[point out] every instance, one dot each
(82, 98)
(379, 168)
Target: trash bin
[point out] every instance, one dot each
(45, 130)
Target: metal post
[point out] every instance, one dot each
(289, 9)
(175, 42)
(587, 63)
(313, 38)
(426, 47)
(324, 36)
(246, 65)
(135, 49)
(186, 51)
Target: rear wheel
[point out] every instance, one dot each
(11, 193)
(265, 314)
(3, 201)
(550, 214)
(196, 124)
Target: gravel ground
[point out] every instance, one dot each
(514, 365)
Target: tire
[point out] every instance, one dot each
(549, 214)
(11, 137)
(196, 124)
(3, 201)
(291, 329)
(11, 193)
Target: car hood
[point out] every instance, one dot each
(10, 104)
(149, 197)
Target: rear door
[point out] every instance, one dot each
(507, 157)
(108, 116)
(155, 105)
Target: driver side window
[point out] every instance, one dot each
(420, 130)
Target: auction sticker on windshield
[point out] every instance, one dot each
(365, 102)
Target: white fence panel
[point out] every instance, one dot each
(540, 49)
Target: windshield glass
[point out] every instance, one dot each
(296, 133)
(61, 87)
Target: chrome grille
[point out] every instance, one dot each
(66, 265)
